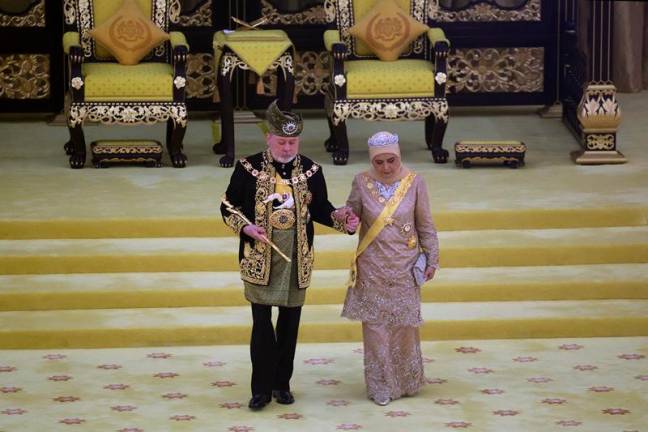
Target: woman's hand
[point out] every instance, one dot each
(256, 232)
(429, 273)
(352, 222)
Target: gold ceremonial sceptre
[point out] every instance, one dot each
(252, 25)
(233, 210)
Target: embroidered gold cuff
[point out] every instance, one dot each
(235, 222)
(337, 225)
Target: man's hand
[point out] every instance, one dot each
(341, 214)
(429, 273)
(256, 232)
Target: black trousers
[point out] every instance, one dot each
(272, 352)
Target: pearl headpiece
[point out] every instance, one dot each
(383, 142)
(382, 138)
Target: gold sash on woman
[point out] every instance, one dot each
(379, 224)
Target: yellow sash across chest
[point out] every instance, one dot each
(379, 224)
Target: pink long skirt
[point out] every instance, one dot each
(392, 361)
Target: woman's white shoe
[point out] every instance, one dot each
(382, 402)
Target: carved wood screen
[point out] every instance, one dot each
(199, 20)
(31, 60)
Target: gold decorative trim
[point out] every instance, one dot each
(24, 76)
(231, 61)
(174, 11)
(301, 177)
(599, 141)
(494, 70)
(35, 17)
(200, 76)
(311, 74)
(236, 223)
(484, 12)
(481, 160)
(202, 17)
(129, 160)
(329, 11)
(305, 257)
(314, 15)
(127, 113)
(282, 219)
(482, 147)
(337, 225)
(255, 265)
(127, 149)
(599, 108)
(69, 11)
(376, 109)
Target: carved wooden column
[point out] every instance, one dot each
(598, 111)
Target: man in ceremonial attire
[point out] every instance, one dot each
(281, 193)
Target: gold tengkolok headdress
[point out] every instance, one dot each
(283, 123)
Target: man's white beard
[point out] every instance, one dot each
(284, 159)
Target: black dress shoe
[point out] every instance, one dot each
(283, 397)
(258, 401)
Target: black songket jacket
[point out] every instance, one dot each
(252, 181)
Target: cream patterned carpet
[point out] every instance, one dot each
(543, 385)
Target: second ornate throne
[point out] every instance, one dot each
(364, 87)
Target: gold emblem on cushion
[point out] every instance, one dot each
(282, 219)
(129, 35)
(388, 30)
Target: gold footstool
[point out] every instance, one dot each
(509, 153)
(106, 152)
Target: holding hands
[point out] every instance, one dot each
(346, 216)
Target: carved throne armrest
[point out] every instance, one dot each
(180, 49)
(74, 52)
(440, 46)
(339, 53)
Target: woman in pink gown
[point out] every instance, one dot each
(386, 296)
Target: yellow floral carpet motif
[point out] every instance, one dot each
(580, 385)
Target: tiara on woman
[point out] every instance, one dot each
(383, 138)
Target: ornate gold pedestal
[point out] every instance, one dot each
(599, 116)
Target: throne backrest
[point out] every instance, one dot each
(84, 15)
(345, 13)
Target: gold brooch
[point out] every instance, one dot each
(406, 228)
(412, 242)
(389, 221)
(282, 219)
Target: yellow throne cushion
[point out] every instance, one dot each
(387, 30)
(128, 34)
